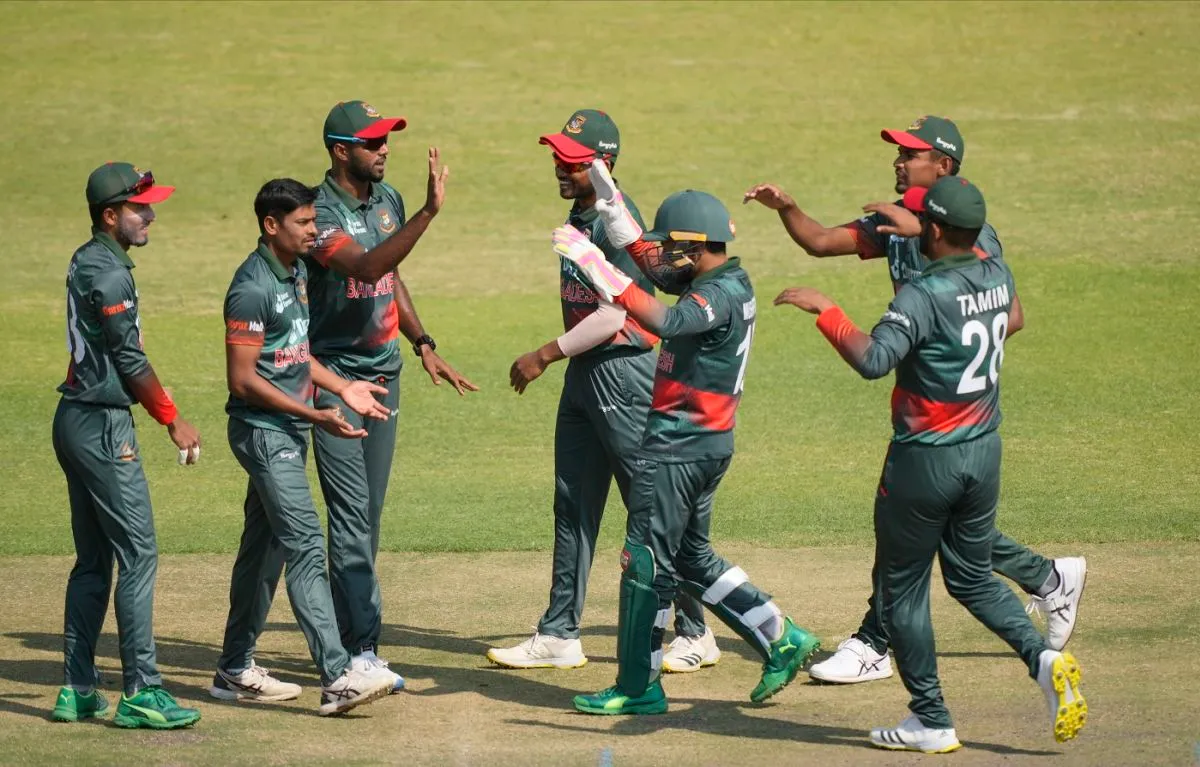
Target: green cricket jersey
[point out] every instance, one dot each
(578, 298)
(355, 325)
(944, 334)
(104, 329)
(701, 367)
(266, 306)
(904, 253)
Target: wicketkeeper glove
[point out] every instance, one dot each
(620, 226)
(589, 261)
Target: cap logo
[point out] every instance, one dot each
(606, 145)
(370, 111)
(575, 124)
(945, 144)
(936, 208)
(917, 123)
(138, 171)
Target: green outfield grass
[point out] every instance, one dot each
(1080, 125)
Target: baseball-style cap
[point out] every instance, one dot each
(589, 134)
(115, 182)
(929, 132)
(952, 200)
(691, 216)
(350, 120)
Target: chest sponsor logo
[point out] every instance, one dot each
(359, 289)
(282, 301)
(387, 224)
(356, 227)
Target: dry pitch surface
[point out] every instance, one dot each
(443, 611)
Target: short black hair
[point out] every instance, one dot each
(937, 154)
(279, 197)
(714, 247)
(958, 237)
(97, 213)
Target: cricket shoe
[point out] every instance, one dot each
(540, 651)
(911, 735)
(789, 653)
(367, 660)
(354, 688)
(1059, 677)
(688, 654)
(1061, 606)
(855, 661)
(154, 708)
(254, 684)
(72, 705)
(613, 702)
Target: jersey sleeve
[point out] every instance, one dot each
(699, 311)
(868, 241)
(988, 245)
(906, 323)
(245, 316)
(331, 236)
(114, 300)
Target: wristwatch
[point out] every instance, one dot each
(424, 340)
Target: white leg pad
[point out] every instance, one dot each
(724, 586)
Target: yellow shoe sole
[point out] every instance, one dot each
(1071, 715)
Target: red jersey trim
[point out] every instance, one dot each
(710, 410)
(917, 414)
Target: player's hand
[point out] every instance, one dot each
(439, 370)
(359, 396)
(810, 300)
(904, 222)
(621, 228)
(526, 369)
(187, 439)
(769, 195)
(574, 246)
(435, 188)
(331, 420)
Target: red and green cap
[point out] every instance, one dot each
(358, 122)
(929, 132)
(589, 134)
(115, 182)
(691, 216)
(952, 200)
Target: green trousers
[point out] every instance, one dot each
(111, 519)
(281, 528)
(942, 501)
(601, 417)
(354, 477)
(671, 513)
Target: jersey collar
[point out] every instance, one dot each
(279, 270)
(108, 242)
(951, 262)
(351, 202)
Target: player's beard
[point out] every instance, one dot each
(365, 173)
(130, 230)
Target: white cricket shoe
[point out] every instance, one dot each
(688, 654)
(367, 660)
(540, 651)
(1059, 678)
(855, 661)
(911, 735)
(1060, 607)
(354, 688)
(254, 684)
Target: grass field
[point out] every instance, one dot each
(1080, 123)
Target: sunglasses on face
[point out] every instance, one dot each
(572, 167)
(371, 145)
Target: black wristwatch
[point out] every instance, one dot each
(424, 340)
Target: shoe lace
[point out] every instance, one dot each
(257, 671)
(681, 643)
(532, 642)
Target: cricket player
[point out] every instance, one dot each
(271, 375)
(930, 149)
(601, 412)
(944, 336)
(685, 450)
(98, 450)
(360, 307)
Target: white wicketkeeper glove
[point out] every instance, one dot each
(574, 246)
(620, 226)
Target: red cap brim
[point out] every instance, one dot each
(914, 198)
(567, 149)
(154, 194)
(381, 128)
(906, 140)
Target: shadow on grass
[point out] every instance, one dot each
(729, 718)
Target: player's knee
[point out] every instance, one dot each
(967, 587)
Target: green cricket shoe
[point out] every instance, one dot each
(155, 708)
(789, 653)
(613, 702)
(72, 705)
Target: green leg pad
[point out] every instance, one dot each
(640, 621)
